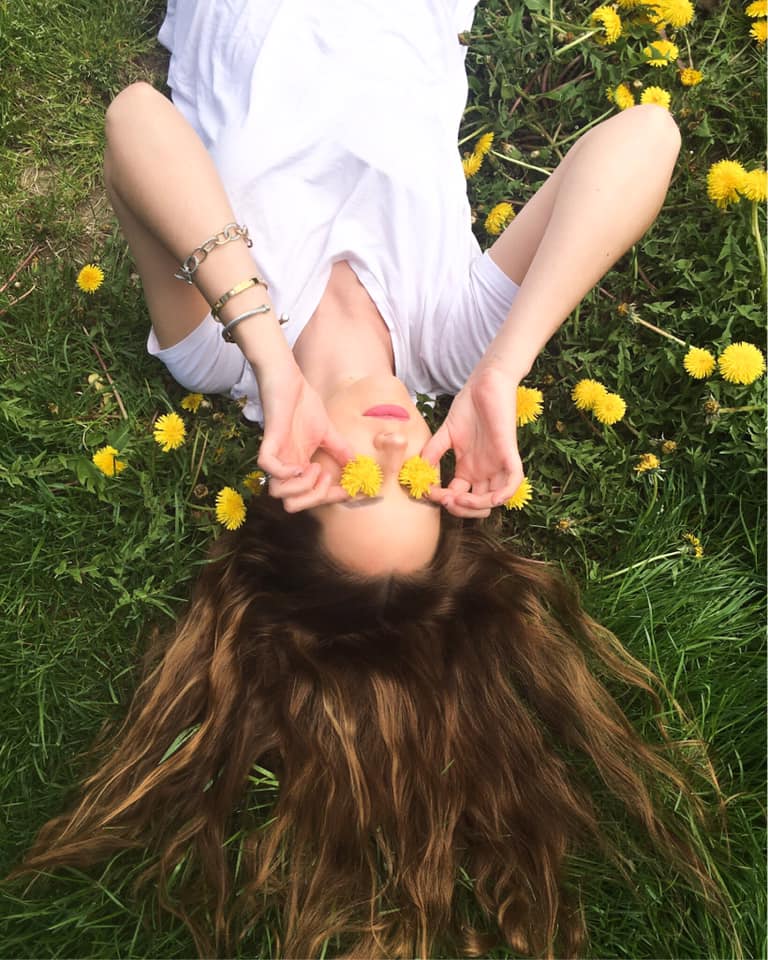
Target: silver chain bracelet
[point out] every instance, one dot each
(232, 231)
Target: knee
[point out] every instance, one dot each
(129, 103)
(655, 127)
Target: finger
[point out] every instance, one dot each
(458, 485)
(475, 501)
(315, 497)
(481, 488)
(272, 464)
(468, 513)
(437, 445)
(505, 486)
(295, 486)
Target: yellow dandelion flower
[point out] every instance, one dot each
(90, 278)
(631, 4)
(758, 8)
(529, 405)
(484, 144)
(230, 508)
(690, 77)
(362, 475)
(656, 95)
(471, 163)
(586, 393)
(648, 461)
(755, 186)
(698, 550)
(255, 481)
(169, 431)
(741, 363)
(610, 408)
(669, 446)
(106, 460)
(498, 218)
(661, 53)
(418, 475)
(521, 496)
(724, 181)
(610, 21)
(678, 13)
(192, 402)
(698, 363)
(622, 97)
(609, 95)
(759, 30)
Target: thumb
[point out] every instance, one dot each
(436, 446)
(269, 461)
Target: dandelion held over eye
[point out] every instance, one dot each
(418, 475)
(362, 475)
(90, 278)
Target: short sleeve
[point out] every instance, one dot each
(453, 344)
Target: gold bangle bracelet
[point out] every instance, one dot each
(238, 288)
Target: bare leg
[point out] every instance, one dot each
(598, 202)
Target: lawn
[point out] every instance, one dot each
(660, 516)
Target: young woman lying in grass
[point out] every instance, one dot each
(431, 704)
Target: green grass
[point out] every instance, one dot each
(91, 566)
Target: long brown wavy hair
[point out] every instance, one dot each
(432, 737)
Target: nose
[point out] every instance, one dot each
(391, 445)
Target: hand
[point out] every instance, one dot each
(296, 425)
(481, 428)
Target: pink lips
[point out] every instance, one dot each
(388, 411)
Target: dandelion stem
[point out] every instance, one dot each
(635, 319)
(573, 43)
(642, 563)
(520, 163)
(759, 244)
(746, 409)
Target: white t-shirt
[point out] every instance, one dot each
(333, 126)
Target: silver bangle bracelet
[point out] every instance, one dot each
(229, 327)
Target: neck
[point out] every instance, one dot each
(346, 338)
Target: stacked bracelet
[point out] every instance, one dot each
(229, 327)
(232, 231)
(238, 288)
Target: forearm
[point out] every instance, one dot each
(601, 200)
(160, 170)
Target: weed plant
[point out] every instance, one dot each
(670, 558)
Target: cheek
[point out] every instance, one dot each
(328, 464)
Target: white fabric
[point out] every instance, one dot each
(334, 127)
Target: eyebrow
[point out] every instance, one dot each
(372, 501)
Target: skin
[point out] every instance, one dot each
(599, 201)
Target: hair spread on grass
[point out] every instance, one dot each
(434, 737)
